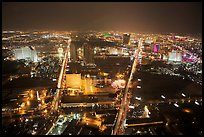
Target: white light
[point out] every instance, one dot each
(138, 86)
(138, 98)
(131, 107)
(176, 105)
(54, 79)
(138, 132)
(163, 96)
(197, 103)
(183, 95)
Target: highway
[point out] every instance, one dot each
(119, 127)
(61, 77)
(56, 100)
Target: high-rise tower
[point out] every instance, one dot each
(126, 38)
(73, 52)
(88, 53)
(26, 53)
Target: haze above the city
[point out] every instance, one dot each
(185, 17)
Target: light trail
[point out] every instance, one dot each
(59, 83)
(60, 79)
(142, 124)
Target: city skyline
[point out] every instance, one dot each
(102, 68)
(101, 83)
(176, 17)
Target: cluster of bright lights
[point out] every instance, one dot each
(119, 83)
(163, 96)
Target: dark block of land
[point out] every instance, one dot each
(79, 99)
(27, 82)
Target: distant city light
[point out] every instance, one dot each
(138, 98)
(132, 107)
(119, 83)
(28, 102)
(108, 82)
(138, 86)
(186, 110)
(183, 95)
(196, 102)
(26, 120)
(163, 96)
(176, 105)
(54, 79)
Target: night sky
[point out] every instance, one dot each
(127, 17)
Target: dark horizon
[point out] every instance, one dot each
(166, 17)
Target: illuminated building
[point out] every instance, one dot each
(80, 53)
(188, 58)
(60, 52)
(156, 48)
(175, 56)
(88, 85)
(146, 112)
(148, 41)
(115, 51)
(73, 83)
(125, 51)
(106, 34)
(119, 83)
(118, 38)
(92, 122)
(28, 53)
(164, 57)
(38, 97)
(73, 80)
(126, 39)
(132, 38)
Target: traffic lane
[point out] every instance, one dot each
(124, 101)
